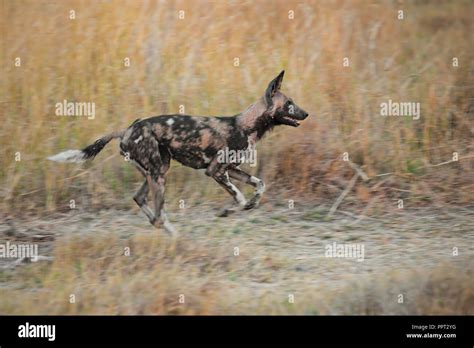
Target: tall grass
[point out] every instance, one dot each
(190, 62)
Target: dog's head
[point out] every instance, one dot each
(282, 109)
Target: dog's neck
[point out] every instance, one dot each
(255, 119)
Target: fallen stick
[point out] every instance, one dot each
(343, 194)
(359, 171)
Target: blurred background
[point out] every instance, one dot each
(190, 62)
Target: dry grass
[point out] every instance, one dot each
(152, 278)
(281, 252)
(190, 62)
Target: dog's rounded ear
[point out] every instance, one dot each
(273, 87)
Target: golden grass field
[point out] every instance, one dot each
(190, 62)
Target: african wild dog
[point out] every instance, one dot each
(194, 141)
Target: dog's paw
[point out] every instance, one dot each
(166, 226)
(226, 212)
(252, 203)
(171, 230)
(155, 223)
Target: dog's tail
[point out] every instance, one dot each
(89, 152)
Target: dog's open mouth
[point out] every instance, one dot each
(290, 121)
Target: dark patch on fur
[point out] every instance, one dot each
(263, 125)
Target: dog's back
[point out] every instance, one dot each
(191, 140)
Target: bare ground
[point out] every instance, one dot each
(426, 256)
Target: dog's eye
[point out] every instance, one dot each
(288, 103)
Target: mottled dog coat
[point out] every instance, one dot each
(195, 142)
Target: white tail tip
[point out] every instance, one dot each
(71, 156)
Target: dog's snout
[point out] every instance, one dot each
(303, 114)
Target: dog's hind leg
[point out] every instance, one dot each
(152, 160)
(157, 180)
(259, 185)
(158, 192)
(141, 196)
(140, 199)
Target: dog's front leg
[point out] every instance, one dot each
(215, 166)
(239, 174)
(222, 178)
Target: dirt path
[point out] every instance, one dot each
(279, 250)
